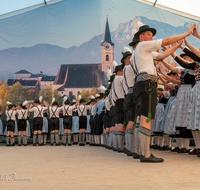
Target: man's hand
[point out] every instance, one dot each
(190, 30)
(195, 32)
(180, 42)
(165, 48)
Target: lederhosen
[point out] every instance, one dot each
(54, 121)
(67, 120)
(22, 122)
(38, 121)
(146, 89)
(82, 120)
(119, 109)
(11, 123)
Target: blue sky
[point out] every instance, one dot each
(72, 22)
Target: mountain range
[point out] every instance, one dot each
(48, 58)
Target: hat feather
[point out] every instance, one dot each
(92, 97)
(79, 97)
(127, 49)
(8, 103)
(97, 95)
(73, 100)
(65, 98)
(24, 103)
(136, 25)
(40, 98)
(109, 74)
(102, 88)
(115, 64)
(53, 100)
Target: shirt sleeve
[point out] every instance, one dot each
(151, 45)
(32, 109)
(155, 54)
(185, 64)
(166, 94)
(45, 108)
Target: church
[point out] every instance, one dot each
(72, 78)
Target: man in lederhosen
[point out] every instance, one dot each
(146, 82)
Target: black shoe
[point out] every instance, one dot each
(183, 150)
(40, 144)
(58, 144)
(136, 156)
(126, 150)
(129, 153)
(108, 147)
(90, 144)
(44, 144)
(175, 149)
(52, 144)
(87, 143)
(80, 144)
(194, 152)
(64, 144)
(69, 144)
(114, 149)
(151, 146)
(34, 144)
(164, 148)
(156, 147)
(25, 144)
(83, 144)
(12, 145)
(74, 143)
(7, 144)
(19, 145)
(120, 150)
(152, 158)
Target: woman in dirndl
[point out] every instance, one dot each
(75, 126)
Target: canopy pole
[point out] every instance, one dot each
(155, 3)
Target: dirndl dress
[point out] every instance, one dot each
(61, 128)
(75, 124)
(45, 125)
(183, 100)
(1, 127)
(193, 115)
(28, 129)
(159, 114)
(88, 124)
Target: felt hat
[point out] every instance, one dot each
(55, 103)
(134, 41)
(145, 28)
(118, 68)
(67, 102)
(82, 100)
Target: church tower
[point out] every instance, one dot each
(107, 50)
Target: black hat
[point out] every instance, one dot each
(171, 73)
(92, 100)
(37, 101)
(55, 103)
(107, 92)
(118, 68)
(10, 106)
(134, 41)
(88, 103)
(145, 28)
(109, 86)
(111, 78)
(82, 100)
(125, 55)
(160, 89)
(183, 54)
(67, 102)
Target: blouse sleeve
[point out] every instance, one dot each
(185, 64)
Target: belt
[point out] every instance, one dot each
(145, 76)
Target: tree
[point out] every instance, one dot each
(94, 91)
(46, 93)
(16, 93)
(85, 94)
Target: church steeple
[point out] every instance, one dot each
(107, 49)
(107, 37)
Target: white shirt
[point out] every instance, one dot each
(11, 115)
(107, 104)
(92, 110)
(82, 110)
(22, 114)
(54, 111)
(69, 110)
(144, 56)
(38, 111)
(117, 90)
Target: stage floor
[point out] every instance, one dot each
(95, 168)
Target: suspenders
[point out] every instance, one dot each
(114, 90)
(125, 77)
(81, 111)
(66, 110)
(53, 113)
(10, 116)
(23, 114)
(40, 112)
